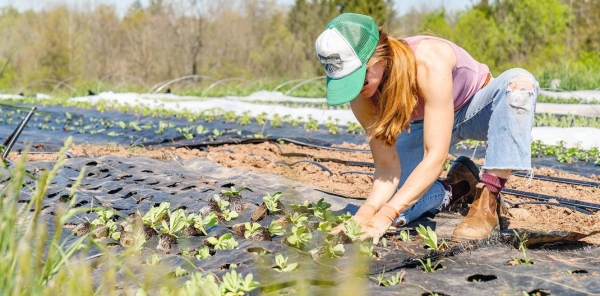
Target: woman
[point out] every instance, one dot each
(415, 97)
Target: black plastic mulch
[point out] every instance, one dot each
(135, 184)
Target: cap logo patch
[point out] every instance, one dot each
(332, 63)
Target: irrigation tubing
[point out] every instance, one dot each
(559, 180)
(10, 141)
(300, 143)
(578, 209)
(544, 197)
(324, 168)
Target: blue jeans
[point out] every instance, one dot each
(497, 114)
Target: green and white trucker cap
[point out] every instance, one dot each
(344, 48)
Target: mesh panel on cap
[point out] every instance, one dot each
(360, 32)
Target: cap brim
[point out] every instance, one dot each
(346, 89)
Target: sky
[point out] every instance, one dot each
(401, 6)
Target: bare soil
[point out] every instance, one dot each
(347, 180)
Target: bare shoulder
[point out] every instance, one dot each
(435, 53)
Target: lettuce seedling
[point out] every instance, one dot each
(272, 201)
(224, 242)
(282, 265)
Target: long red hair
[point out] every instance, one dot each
(398, 88)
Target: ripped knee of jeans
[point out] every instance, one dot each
(522, 93)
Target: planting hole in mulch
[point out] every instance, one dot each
(539, 292)
(479, 278)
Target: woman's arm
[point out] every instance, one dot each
(435, 62)
(387, 164)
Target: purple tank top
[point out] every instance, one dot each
(468, 75)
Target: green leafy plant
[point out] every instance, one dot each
(430, 238)
(224, 242)
(236, 284)
(325, 226)
(334, 251)
(153, 261)
(282, 265)
(203, 223)
(222, 203)
(404, 236)
(321, 209)
(300, 236)
(203, 253)
(105, 219)
(232, 191)
(428, 267)
(186, 132)
(368, 250)
(276, 229)
(177, 222)
(523, 248)
(229, 215)
(390, 281)
(298, 219)
(353, 230)
(333, 127)
(272, 201)
(311, 125)
(251, 228)
(153, 217)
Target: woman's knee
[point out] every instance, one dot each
(521, 91)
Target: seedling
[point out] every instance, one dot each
(276, 229)
(311, 125)
(299, 237)
(177, 222)
(221, 203)
(404, 236)
(335, 251)
(430, 238)
(321, 209)
(325, 226)
(153, 261)
(333, 127)
(427, 267)
(523, 248)
(155, 214)
(202, 223)
(224, 242)
(251, 228)
(236, 284)
(203, 253)
(392, 280)
(298, 219)
(186, 132)
(179, 272)
(105, 219)
(367, 250)
(353, 230)
(282, 265)
(229, 215)
(272, 201)
(233, 191)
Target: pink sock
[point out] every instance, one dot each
(493, 183)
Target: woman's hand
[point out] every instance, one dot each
(379, 224)
(362, 216)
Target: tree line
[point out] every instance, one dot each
(255, 39)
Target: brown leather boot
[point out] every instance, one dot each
(482, 217)
(462, 176)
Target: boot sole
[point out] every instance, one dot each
(494, 233)
(470, 165)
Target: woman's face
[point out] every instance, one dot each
(372, 79)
